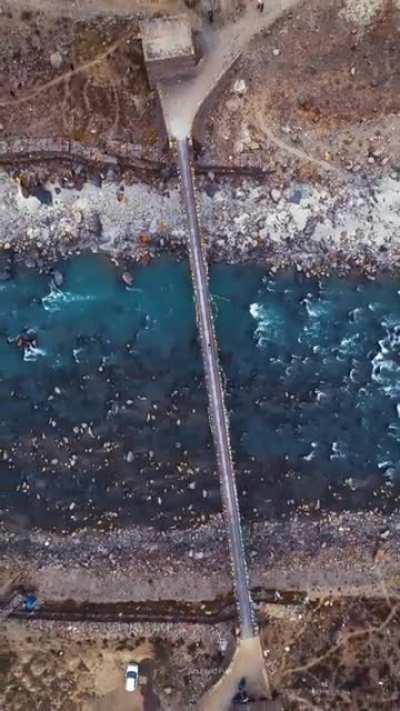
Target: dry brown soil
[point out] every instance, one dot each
(100, 92)
(82, 668)
(341, 654)
(321, 93)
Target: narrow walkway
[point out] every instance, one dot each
(218, 415)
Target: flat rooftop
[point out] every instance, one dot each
(167, 38)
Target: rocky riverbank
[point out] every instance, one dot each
(341, 225)
(345, 554)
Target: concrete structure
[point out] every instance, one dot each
(168, 48)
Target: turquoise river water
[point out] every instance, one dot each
(103, 407)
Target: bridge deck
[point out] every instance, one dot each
(217, 410)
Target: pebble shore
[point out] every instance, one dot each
(317, 229)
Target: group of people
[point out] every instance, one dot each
(260, 7)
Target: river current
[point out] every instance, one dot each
(103, 406)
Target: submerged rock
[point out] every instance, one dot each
(127, 278)
(58, 278)
(30, 263)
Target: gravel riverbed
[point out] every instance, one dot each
(339, 226)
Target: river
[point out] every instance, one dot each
(103, 407)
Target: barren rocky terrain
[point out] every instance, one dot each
(297, 158)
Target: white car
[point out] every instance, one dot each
(132, 676)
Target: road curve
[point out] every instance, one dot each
(217, 410)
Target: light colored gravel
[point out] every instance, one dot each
(307, 227)
(361, 12)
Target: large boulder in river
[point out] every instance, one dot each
(127, 278)
(58, 278)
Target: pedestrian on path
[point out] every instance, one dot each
(260, 5)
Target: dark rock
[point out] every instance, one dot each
(211, 189)
(42, 194)
(113, 174)
(295, 197)
(93, 223)
(96, 180)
